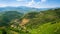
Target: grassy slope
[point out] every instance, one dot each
(47, 29)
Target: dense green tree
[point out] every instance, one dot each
(7, 16)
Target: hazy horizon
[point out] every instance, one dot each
(30, 3)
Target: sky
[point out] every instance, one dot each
(31, 3)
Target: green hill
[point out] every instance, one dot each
(43, 22)
(42, 17)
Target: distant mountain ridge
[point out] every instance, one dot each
(22, 9)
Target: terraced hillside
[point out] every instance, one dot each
(43, 22)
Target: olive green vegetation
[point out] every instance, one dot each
(43, 22)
